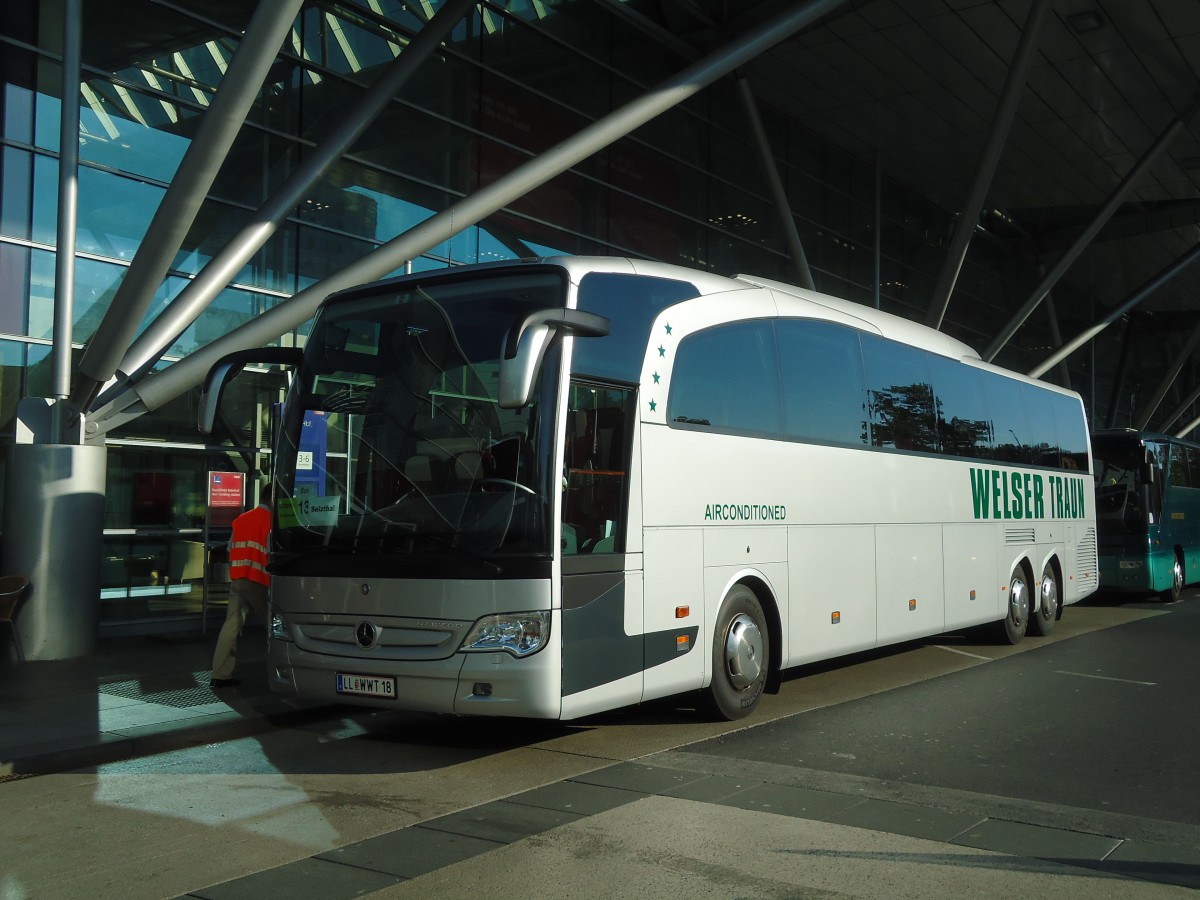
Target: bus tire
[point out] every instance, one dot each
(1048, 600)
(1012, 627)
(740, 656)
(1173, 593)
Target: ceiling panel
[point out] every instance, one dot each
(1179, 18)
(920, 45)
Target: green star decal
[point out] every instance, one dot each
(655, 376)
(668, 329)
(653, 406)
(662, 351)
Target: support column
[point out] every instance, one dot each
(68, 199)
(53, 528)
(54, 496)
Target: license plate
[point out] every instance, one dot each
(366, 685)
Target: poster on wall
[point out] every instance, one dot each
(226, 497)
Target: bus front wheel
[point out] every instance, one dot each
(1012, 627)
(740, 656)
(1045, 614)
(1171, 594)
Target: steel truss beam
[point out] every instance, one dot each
(1169, 378)
(239, 87)
(1178, 124)
(224, 266)
(155, 390)
(775, 184)
(1006, 111)
(1148, 288)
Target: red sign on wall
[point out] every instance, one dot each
(226, 497)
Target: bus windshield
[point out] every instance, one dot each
(1120, 497)
(393, 441)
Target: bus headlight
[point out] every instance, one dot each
(279, 626)
(517, 633)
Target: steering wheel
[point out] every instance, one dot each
(484, 483)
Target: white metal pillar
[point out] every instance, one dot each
(239, 88)
(223, 266)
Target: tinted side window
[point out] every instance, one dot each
(1194, 465)
(1072, 432)
(1043, 435)
(631, 303)
(823, 385)
(596, 469)
(899, 396)
(1010, 425)
(964, 428)
(727, 378)
(1179, 466)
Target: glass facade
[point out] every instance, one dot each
(515, 78)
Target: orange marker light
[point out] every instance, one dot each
(682, 612)
(682, 642)
(835, 618)
(912, 604)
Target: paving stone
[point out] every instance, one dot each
(409, 852)
(1038, 841)
(576, 797)
(502, 821)
(639, 777)
(303, 878)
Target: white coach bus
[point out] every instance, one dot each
(554, 487)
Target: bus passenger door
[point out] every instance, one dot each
(602, 653)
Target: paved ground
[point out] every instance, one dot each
(639, 803)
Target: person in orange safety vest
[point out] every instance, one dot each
(248, 582)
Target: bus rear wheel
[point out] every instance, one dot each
(740, 656)
(1171, 594)
(1012, 627)
(1045, 614)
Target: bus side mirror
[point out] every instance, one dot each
(225, 369)
(525, 346)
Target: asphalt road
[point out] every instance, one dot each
(1106, 722)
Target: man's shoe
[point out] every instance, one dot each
(223, 682)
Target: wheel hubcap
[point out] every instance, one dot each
(743, 652)
(1049, 598)
(1178, 577)
(1019, 603)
